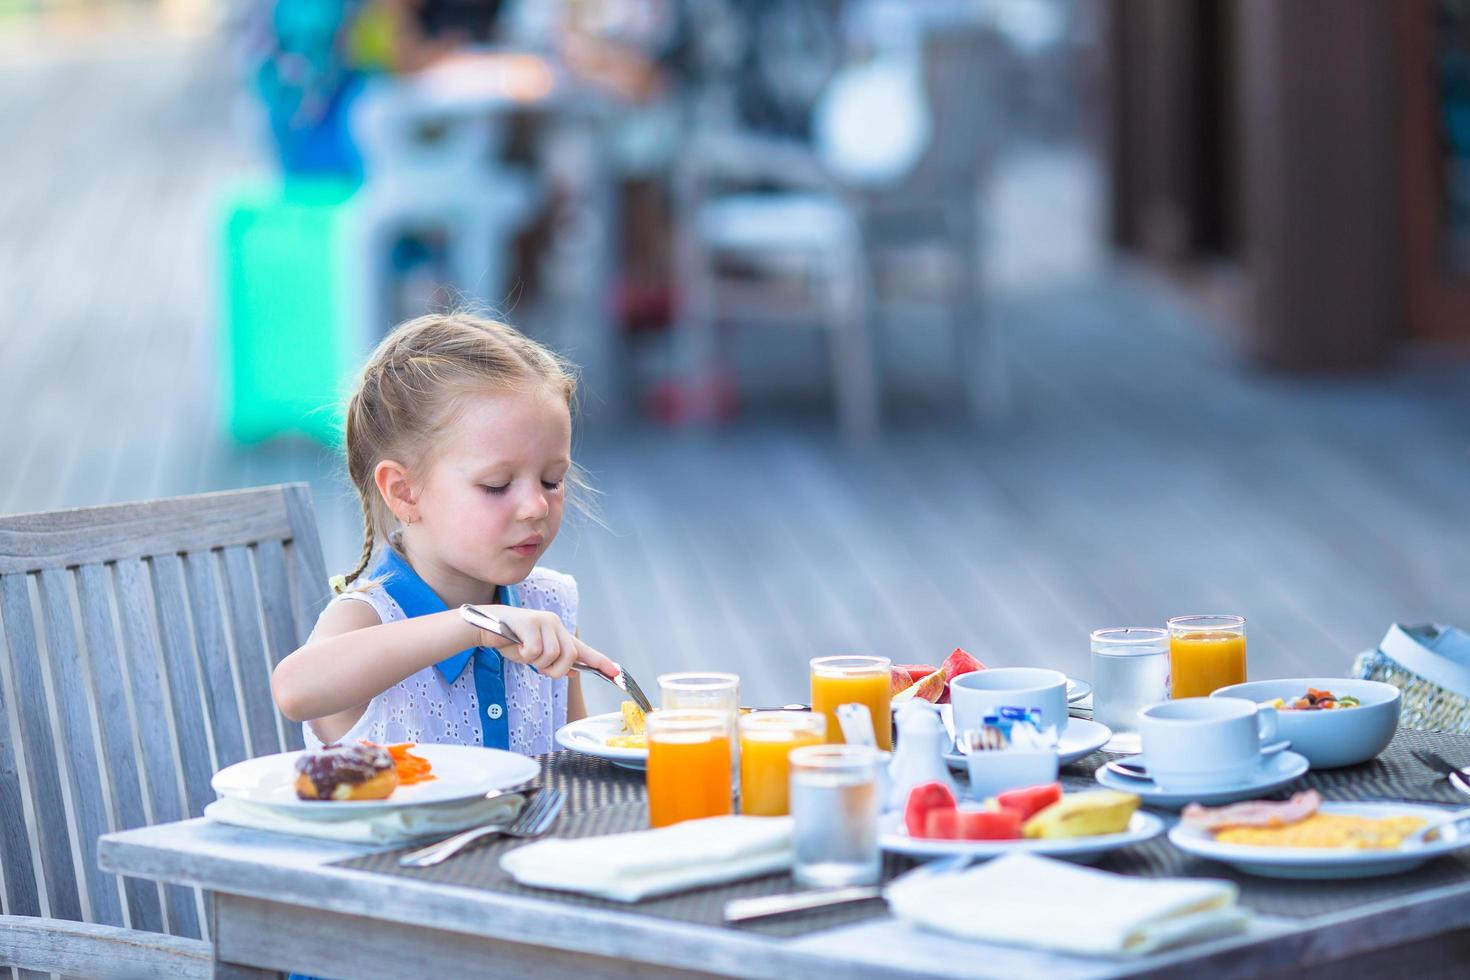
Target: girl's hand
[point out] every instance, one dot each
(546, 643)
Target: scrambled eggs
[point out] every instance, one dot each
(1327, 830)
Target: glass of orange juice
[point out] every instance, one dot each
(1206, 653)
(766, 740)
(688, 765)
(849, 680)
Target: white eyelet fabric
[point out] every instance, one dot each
(424, 708)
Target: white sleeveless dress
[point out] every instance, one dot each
(427, 709)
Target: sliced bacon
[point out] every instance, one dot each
(1252, 813)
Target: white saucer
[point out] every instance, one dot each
(589, 735)
(1274, 772)
(1080, 738)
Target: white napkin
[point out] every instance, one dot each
(633, 866)
(395, 825)
(1026, 900)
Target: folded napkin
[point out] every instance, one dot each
(633, 866)
(1026, 900)
(395, 825)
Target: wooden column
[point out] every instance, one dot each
(1317, 102)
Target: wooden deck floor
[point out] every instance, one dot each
(1146, 473)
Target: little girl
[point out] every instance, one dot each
(459, 444)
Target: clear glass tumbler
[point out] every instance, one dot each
(706, 691)
(688, 765)
(766, 741)
(848, 680)
(1130, 671)
(1206, 653)
(834, 806)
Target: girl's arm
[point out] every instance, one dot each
(351, 658)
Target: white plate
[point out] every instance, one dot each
(1323, 862)
(1081, 737)
(462, 771)
(893, 837)
(587, 736)
(1274, 772)
(1077, 690)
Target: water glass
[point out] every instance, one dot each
(834, 807)
(688, 765)
(1130, 671)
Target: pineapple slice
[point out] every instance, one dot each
(1084, 815)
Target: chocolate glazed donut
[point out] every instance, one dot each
(346, 772)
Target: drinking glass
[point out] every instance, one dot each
(766, 740)
(688, 765)
(706, 690)
(1206, 653)
(1130, 671)
(849, 680)
(834, 809)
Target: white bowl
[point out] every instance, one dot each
(1341, 737)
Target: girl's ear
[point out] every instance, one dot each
(392, 480)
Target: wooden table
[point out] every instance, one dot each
(279, 905)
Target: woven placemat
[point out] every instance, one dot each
(604, 799)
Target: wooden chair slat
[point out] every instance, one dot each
(186, 689)
(214, 659)
(89, 782)
(151, 712)
(67, 538)
(63, 900)
(309, 587)
(115, 721)
(242, 602)
(82, 949)
(22, 897)
(281, 629)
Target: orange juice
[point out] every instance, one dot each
(848, 680)
(1202, 662)
(688, 766)
(766, 740)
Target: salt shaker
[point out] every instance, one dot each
(919, 757)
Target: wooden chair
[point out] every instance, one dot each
(135, 659)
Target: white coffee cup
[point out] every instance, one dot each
(985, 692)
(1199, 743)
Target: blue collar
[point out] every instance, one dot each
(416, 598)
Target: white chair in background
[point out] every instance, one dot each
(900, 143)
(431, 166)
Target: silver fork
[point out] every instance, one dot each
(1441, 765)
(535, 818)
(624, 681)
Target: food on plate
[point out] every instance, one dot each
(1083, 815)
(923, 799)
(1032, 811)
(346, 772)
(411, 768)
(1315, 700)
(1029, 800)
(633, 734)
(931, 683)
(1252, 813)
(1298, 822)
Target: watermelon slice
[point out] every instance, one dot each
(957, 663)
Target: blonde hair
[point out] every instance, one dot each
(411, 388)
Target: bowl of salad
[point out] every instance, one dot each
(1333, 721)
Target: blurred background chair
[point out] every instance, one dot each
(155, 627)
(901, 147)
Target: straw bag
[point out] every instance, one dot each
(1430, 663)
